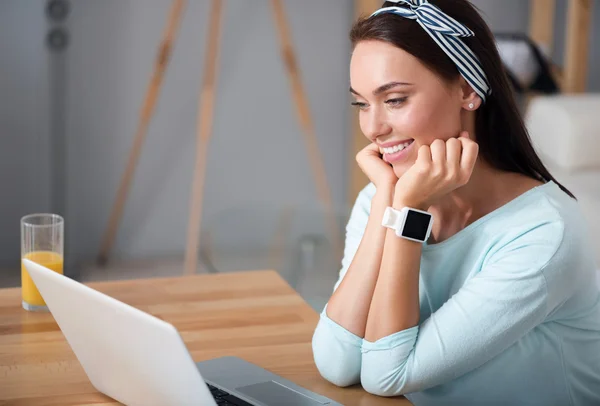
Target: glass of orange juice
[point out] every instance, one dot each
(42, 239)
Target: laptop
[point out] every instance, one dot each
(138, 359)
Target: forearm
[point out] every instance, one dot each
(395, 303)
(349, 305)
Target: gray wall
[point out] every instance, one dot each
(25, 168)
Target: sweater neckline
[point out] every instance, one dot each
(507, 206)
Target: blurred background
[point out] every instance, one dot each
(74, 76)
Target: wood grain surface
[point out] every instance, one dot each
(254, 315)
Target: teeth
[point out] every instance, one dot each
(395, 148)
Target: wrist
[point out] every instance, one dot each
(400, 201)
(385, 193)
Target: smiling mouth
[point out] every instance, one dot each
(396, 148)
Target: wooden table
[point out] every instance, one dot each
(254, 315)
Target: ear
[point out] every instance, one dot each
(469, 97)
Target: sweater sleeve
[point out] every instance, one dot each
(506, 299)
(337, 351)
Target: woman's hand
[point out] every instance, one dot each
(377, 170)
(440, 168)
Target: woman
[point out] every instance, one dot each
(499, 306)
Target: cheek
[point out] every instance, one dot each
(426, 122)
(414, 121)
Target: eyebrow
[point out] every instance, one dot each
(383, 88)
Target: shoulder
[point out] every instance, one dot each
(537, 216)
(545, 233)
(572, 264)
(544, 214)
(554, 217)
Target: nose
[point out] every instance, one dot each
(374, 123)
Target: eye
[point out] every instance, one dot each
(395, 102)
(359, 105)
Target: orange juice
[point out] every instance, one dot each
(51, 260)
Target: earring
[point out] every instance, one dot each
(471, 105)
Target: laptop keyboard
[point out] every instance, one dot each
(226, 399)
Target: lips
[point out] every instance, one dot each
(396, 153)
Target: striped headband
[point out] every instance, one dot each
(445, 31)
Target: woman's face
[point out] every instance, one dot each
(402, 103)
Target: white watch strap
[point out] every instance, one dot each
(394, 219)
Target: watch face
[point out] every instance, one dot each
(416, 225)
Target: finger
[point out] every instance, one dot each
(453, 155)
(438, 152)
(424, 155)
(470, 151)
(370, 150)
(375, 150)
(465, 140)
(372, 147)
(468, 159)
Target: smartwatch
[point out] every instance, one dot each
(412, 224)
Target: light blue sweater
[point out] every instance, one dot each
(509, 314)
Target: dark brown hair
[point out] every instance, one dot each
(501, 134)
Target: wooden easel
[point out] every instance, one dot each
(204, 129)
